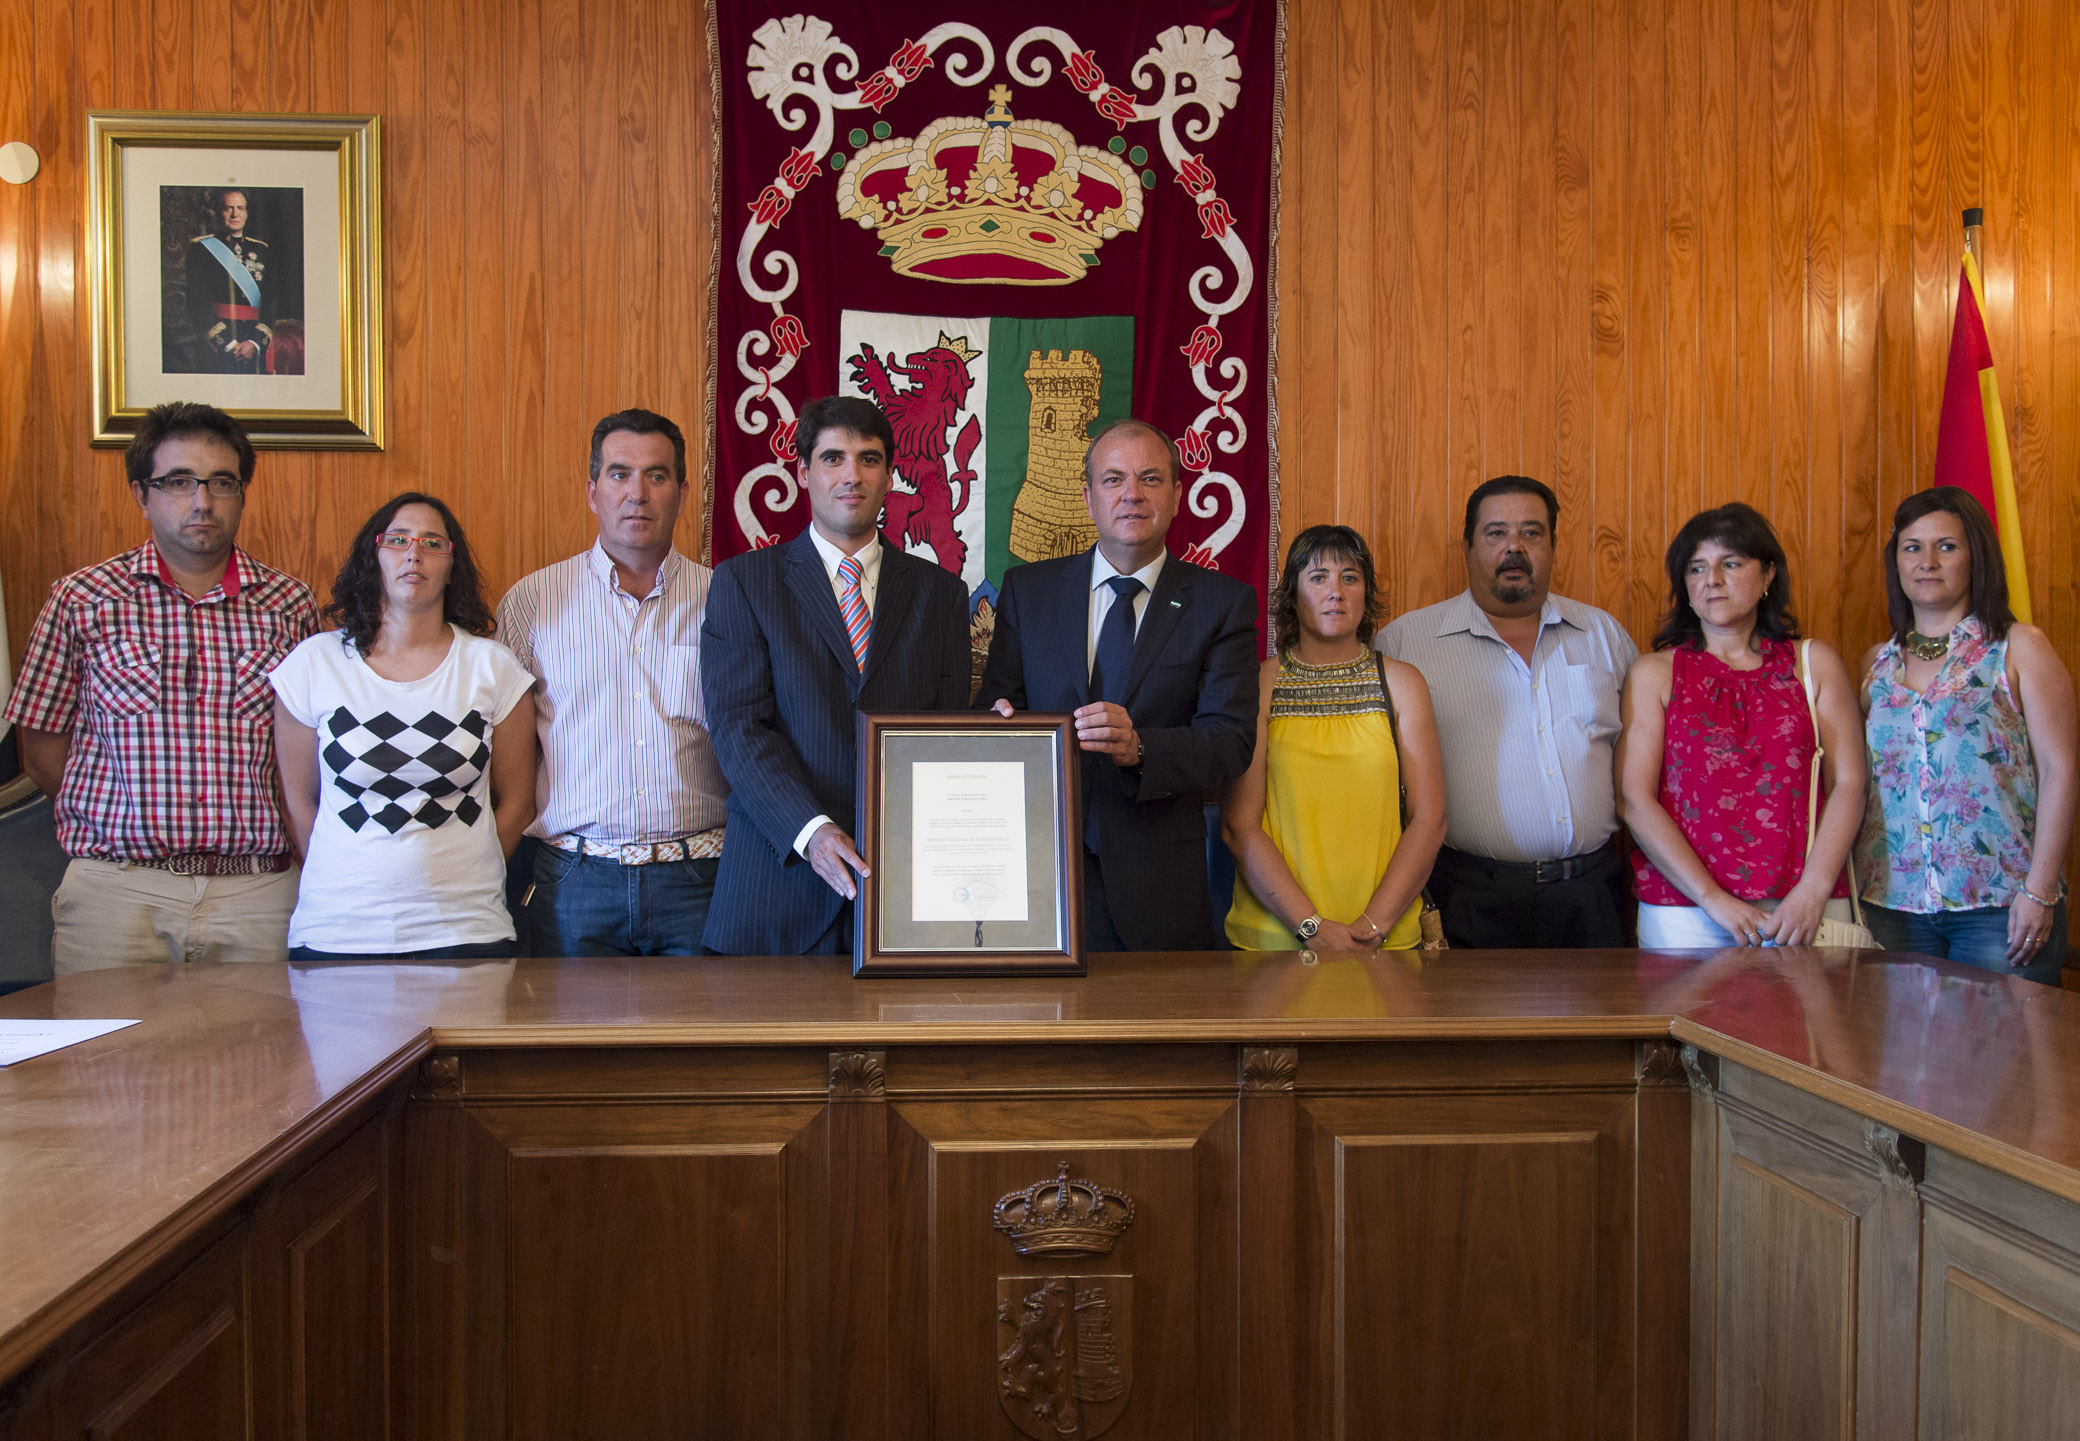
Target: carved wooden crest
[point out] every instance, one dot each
(1064, 1353)
(1062, 1217)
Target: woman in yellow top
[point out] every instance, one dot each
(1322, 858)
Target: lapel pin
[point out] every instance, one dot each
(1177, 602)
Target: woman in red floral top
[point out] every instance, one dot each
(1715, 762)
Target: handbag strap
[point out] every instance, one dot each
(1805, 679)
(1379, 663)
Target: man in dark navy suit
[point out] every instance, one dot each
(798, 639)
(1157, 658)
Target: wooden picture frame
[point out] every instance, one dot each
(237, 260)
(971, 825)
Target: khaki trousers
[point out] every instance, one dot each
(110, 913)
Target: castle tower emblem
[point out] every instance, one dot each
(1048, 517)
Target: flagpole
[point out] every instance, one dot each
(1972, 437)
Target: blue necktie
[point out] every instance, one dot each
(1115, 641)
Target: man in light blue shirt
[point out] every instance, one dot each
(1525, 686)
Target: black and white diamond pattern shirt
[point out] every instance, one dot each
(404, 855)
(395, 772)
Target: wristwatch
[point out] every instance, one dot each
(1306, 929)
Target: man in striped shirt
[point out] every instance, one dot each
(1525, 684)
(632, 802)
(145, 713)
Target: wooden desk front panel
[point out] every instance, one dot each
(968, 1127)
(1467, 1218)
(1807, 1305)
(177, 1367)
(2000, 1306)
(1807, 1327)
(619, 1243)
(1854, 1285)
(1334, 1240)
(274, 1324)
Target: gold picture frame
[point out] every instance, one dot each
(237, 260)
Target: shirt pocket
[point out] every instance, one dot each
(123, 677)
(1592, 696)
(679, 683)
(251, 695)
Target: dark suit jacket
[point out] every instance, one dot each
(783, 695)
(1192, 693)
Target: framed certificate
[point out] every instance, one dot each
(972, 828)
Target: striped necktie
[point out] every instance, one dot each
(853, 607)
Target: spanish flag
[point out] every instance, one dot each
(1972, 442)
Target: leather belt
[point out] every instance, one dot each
(1541, 873)
(209, 863)
(703, 845)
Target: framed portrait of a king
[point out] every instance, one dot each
(236, 259)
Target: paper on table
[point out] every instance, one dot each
(968, 841)
(20, 1040)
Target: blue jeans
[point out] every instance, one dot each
(591, 906)
(475, 951)
(1973, 938)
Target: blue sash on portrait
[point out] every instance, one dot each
(240, 276)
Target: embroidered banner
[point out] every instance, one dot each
(1007, 236)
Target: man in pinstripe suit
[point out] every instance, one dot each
(1157, 660)
(798, 639)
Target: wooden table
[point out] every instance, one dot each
(1519, 1194)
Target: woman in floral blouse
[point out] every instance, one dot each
(1715, 762)
(1971, 735)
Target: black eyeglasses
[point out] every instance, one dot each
(431, 544)
(181, 483)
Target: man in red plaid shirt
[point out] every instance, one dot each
(145, 713)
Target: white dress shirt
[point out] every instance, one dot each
(869, 558)
(1528, 749)
(1102, 598)
(625, 755)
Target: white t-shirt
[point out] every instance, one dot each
(404, 855)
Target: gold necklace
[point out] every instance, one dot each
(1927, 647)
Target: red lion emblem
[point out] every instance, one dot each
(921, 415)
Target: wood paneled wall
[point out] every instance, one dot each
(1661, 253)
(546, 199)
(1668, 253)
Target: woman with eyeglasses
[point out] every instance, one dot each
(407, 751)
(1971, 734)
(1715, 760)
